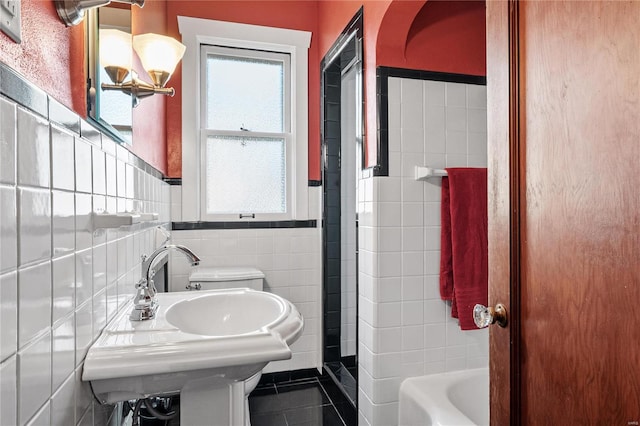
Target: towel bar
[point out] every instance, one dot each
(424, 173)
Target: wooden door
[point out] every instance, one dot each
(563, 83)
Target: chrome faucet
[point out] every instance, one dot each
(145, 303)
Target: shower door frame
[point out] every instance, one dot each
(339, 59)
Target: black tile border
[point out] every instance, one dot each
(19, 89)
(278, 224)
(283, 377)
(382, 94)
(382, 122)
(346, 408)
(432, 75)
(342, 379)
(178, 181)
(173, 181)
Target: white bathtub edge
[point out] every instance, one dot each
(424, 400)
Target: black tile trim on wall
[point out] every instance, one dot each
(278, 224)
(432, 75)
(382, 97)
(288, 376)
(173, 181)
(382, 125)
(178, 181)
(16, 87)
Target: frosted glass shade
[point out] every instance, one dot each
(159, 54)
(115, 49)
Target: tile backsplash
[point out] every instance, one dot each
(60, 282)
(291, 261)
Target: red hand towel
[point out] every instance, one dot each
(464, 242)
(446, 265)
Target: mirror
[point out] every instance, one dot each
(111, 110)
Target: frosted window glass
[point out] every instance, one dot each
(245, 175)
(245, 92)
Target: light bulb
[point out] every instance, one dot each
(159, 55)
(115, 49)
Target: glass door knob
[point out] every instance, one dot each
(485, 316)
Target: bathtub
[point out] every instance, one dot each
(458, 398)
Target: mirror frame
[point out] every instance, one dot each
(92, 64)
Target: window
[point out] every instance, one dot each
(244, 125)
(245, 131)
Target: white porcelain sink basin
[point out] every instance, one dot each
(226, 314)
(202, 344)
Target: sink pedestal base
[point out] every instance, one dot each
(202, 404)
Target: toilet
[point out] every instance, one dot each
(223, 277)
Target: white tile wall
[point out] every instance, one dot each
(8, 225)
(9, 390)
(8, 314)
(33, 157)
(291, 261)
(59, 282)
(405, 328)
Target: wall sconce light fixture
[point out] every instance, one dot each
(71, 12)
(159, 56)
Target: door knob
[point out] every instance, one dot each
(484, 317)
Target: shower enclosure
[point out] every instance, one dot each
(342, 130)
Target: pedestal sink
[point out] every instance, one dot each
(201, 345)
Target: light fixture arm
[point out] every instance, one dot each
(71, 12)
(138, 89)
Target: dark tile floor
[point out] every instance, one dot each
(313, 401)
(308, 401)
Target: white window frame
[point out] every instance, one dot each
(285, 133)
(196, 32)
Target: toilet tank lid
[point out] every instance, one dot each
(226, 273)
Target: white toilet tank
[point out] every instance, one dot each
(221, 277)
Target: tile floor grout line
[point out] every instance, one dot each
(332, 403)
(280, 389)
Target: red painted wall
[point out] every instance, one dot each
(435, 35)
(149, 117)
(297, 15)
(447, 36)
(50, 56)
(333, 17)
(326, 19)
